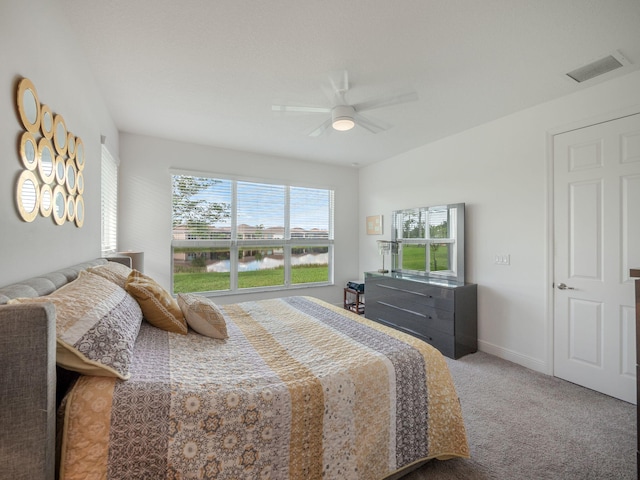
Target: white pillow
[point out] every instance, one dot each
(203, 315)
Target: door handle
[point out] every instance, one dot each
(562, 286)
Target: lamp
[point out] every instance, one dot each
(137, 259)
(342, 118)
(385, 247)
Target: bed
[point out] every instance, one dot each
(298, 389)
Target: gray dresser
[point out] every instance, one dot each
(442, 313)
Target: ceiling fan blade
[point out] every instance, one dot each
(387, 101)
(299, 108)
(367, 124)
(321, 129)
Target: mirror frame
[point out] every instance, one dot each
(27, 137)
(24, 86)
(46, 114)
(455, 238)
(44, 191)
(80, 218)
(71, 146)
(27, 175)
(80, 182)
(45, 144)
(58, 122)
(71, 208)
(80, 154)
(59, 219)
(71, 166)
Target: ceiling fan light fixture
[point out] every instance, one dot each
(342, 118)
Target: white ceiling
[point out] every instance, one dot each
(208, 71)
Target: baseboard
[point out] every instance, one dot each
(515, 357)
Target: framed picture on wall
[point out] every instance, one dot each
(374, 225)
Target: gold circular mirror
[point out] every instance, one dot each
(71, 145)
(29, 151)
(45, 160)
(79, 211)
(46, 200)
(60, 134)
(80, 182)
(28, 105)
(46, 123)
(71, 208)
(59, 205)
(79, 153)
(71, 177)
(60, 170)
(27, 195)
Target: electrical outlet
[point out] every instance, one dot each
(503, 259)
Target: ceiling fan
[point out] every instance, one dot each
(343, 115)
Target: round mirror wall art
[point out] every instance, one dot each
(46, 124)
(28, 196)
(46, 200)
(53, 158)
(29, 151)
(28, 105)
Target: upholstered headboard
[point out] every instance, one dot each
(28, 381)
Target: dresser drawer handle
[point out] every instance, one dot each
(403, 290)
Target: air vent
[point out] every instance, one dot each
(599, 67)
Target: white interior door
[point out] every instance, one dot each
(596, 242)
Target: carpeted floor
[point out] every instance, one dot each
(525, 425)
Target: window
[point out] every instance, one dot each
(235, 235)
(109, 201)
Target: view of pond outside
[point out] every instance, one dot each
(269, 261)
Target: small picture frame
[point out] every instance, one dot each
(374, 225)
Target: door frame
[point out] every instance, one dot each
(550, 252)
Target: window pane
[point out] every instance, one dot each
(201, 269)
(309, 264)
(414, 257)
(260, 210)
(412, 223)
(201, 208)
(438, 223)
(440, 256)
(260, 267)
(311, 213)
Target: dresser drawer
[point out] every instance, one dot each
(437, 297)
(427, 320)
(443, 342)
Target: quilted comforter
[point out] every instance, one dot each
(301, 389)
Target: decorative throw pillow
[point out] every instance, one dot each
(159, 308)
(97, 324)
(203, 315)
(112, 271)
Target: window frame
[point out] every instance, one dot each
(234, 245)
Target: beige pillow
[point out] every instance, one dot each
(112, 271)
(203, 315)
(97, 324)
(159, 308)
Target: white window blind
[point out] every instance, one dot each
(109, 203)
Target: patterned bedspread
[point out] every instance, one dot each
(301, 389)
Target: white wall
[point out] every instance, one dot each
(500, 171)
(145, 202)
(37, 42)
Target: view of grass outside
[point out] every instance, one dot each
(207, 269)
(414, 257)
